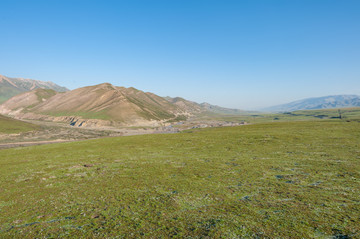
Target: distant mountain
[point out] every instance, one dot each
(10, 87)
(185, 105)
(102, 105)
(326, 102)
(221, 110)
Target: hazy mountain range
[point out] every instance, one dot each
(326, 102)
(10, 87)
(203, 107)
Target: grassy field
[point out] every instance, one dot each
(13, 126)
(347, 114)
(276, 180)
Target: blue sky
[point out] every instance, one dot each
(238, 54)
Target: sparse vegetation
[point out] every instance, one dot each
(275, 180)
(150, 112)
(44, 94)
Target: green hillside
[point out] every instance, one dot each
(277, 180)
(12, 126)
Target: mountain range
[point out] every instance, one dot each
(104, 105)
(326, 102)
(10, 87)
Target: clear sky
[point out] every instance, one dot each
(239, 54)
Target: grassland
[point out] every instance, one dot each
(277, 180)
(13, 126)
(347, 114)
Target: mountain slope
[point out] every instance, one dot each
(185, 105)
(10, 87)
(326, 102)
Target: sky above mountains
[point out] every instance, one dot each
(238, 54)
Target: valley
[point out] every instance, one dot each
(43, 132)
(105, 161)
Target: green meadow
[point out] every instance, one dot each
(266, 180)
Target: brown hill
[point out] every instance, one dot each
(98, 105)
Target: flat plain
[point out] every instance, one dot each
(265, 180)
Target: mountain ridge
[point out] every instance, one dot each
(10, 86)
